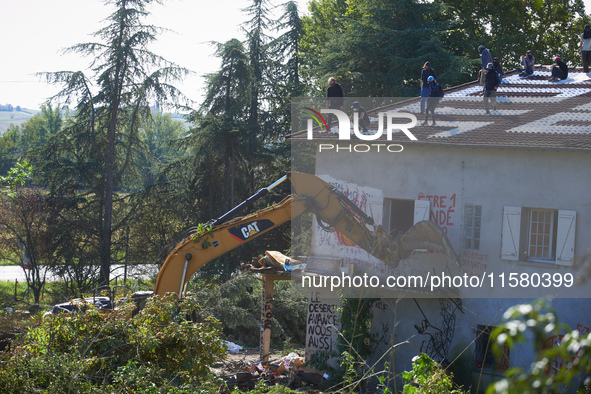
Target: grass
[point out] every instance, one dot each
(53, 293)
(16, 118)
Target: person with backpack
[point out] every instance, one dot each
(435, 95)
(426, 72)
(362, 117)
(491, 84)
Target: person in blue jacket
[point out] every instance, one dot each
(491, 84)
(426, 72)
(485, 56)
(435, 95)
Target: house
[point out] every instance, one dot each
(511, 192)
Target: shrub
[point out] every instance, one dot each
(81, 352)
(536, 323)
(427, 377)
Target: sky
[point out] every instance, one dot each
(34, 32)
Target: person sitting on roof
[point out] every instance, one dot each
(363, 118)
(527, 63)
(559, 70)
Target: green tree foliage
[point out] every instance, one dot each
(285, 76)
(107, 124)
(510, 27)
(36, 131)
(159, 350)
(258, 57)
(33, 133)
(535, 324)
(159, 134)
(9, 148)
(379, 47)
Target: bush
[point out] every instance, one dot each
(427, 377)
(535, 323)
(83, 352)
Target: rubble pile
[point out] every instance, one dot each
(287, 371)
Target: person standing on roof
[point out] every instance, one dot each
(585, 47)
(335, 98)
(435, 95)
(491, 85)
(362, 117)
(527, 64)
(426, 72)
(485, 56)
(559, 70)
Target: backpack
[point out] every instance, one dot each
(438, 92)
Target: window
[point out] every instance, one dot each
(400, 215)
(541, 229)
(534, 234)
(472, 220)
(483, 353)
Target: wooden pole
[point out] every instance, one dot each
(266, 317)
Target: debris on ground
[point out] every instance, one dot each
(243, 370)
(232, 347)
(274, 262)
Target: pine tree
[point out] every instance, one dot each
(128, 77)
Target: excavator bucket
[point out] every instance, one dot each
(426, 236)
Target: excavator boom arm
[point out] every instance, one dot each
(311, 194)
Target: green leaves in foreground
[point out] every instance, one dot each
(159, 350)
(556, 344)
(427, 377)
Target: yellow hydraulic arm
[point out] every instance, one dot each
(332, 209)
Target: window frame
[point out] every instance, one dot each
(472, 238)
(515, 236)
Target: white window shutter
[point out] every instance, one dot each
(565, 237)
(511, 231)
(422, 210)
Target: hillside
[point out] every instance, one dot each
(15, 117)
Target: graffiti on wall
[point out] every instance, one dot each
(439, 337)
(321, 325)
(474, 263)
(368, 200)
(442, 209)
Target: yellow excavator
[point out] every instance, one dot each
(333, 210)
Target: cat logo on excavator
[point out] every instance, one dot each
(250, 229)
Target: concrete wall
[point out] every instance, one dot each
(451, 177)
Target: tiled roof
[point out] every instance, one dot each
(531, 113)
